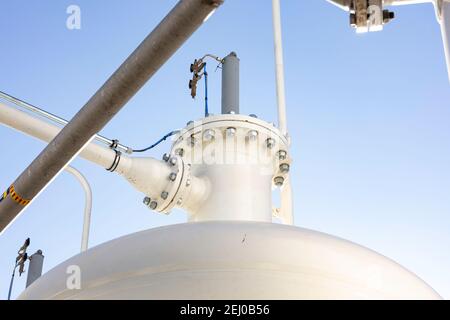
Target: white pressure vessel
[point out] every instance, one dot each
(229, 260)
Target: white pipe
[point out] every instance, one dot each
(87, 206)
(279, 67)
(147, 175)
(45, 131)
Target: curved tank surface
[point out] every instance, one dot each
(230, 260)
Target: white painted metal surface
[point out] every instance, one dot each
(147, 175)
(279, 67)
(231, 260)
(237, 157)
(87, 205)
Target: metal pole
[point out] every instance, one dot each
(279, 67)
(87, 206)
(140, 66)
(230, 84)
(11, 282)
(35, 267)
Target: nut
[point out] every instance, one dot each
(284, 167)
(282, 155)
(278, 181)
(164, 195)
(166, 157)
(173, 161)
(192, 141)
(230, 132)
(252, 135)
(270, 142)
(173, 176)
(209, 135)
(179, 152)
(147, 201)
(153, 205)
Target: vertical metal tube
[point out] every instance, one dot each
(140, 66)
(230, 84)
(279, 67)
(35, 267)
(87, 206)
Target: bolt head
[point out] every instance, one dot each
(278, 181)
(282, 155)
(252, 135)
(166, 157)
(270, 143)
(189, 123)
(173, 176)
(192, 141)
(253, 116)
(284, 167)
(179, 152)
(147, 201)
(209, 135)
(230, 132)
(153, 205)
(188, 182)
(164, 195)
(173, 161)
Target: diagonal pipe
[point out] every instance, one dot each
(140, 66)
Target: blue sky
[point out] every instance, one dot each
(368, 114)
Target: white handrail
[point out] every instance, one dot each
(87, 206)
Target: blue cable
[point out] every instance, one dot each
(206, 91)
(158, 142)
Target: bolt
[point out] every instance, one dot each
(180, 201)
(173, 176)
(188, 182)
(209, 135)
(270, 143)
(353, 20)
(282, 155)
(179, 152)
(231, 132)
(164, 195)
(388, 16)
(252, 135)
(253, 116)
(189, 123)
(192, 141)
(284, 168)
(153, 205)
(231, 112)
(147, 201)
(173, 161)
(278, 181)
(166, 157)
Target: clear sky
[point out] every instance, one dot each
(369, 117)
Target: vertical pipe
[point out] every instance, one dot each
(230, 84)
(35, 267)
(138, 68)
(11, 282)
(87, 206)
(279, 67)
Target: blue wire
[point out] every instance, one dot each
(206, 91)
(158, 142)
